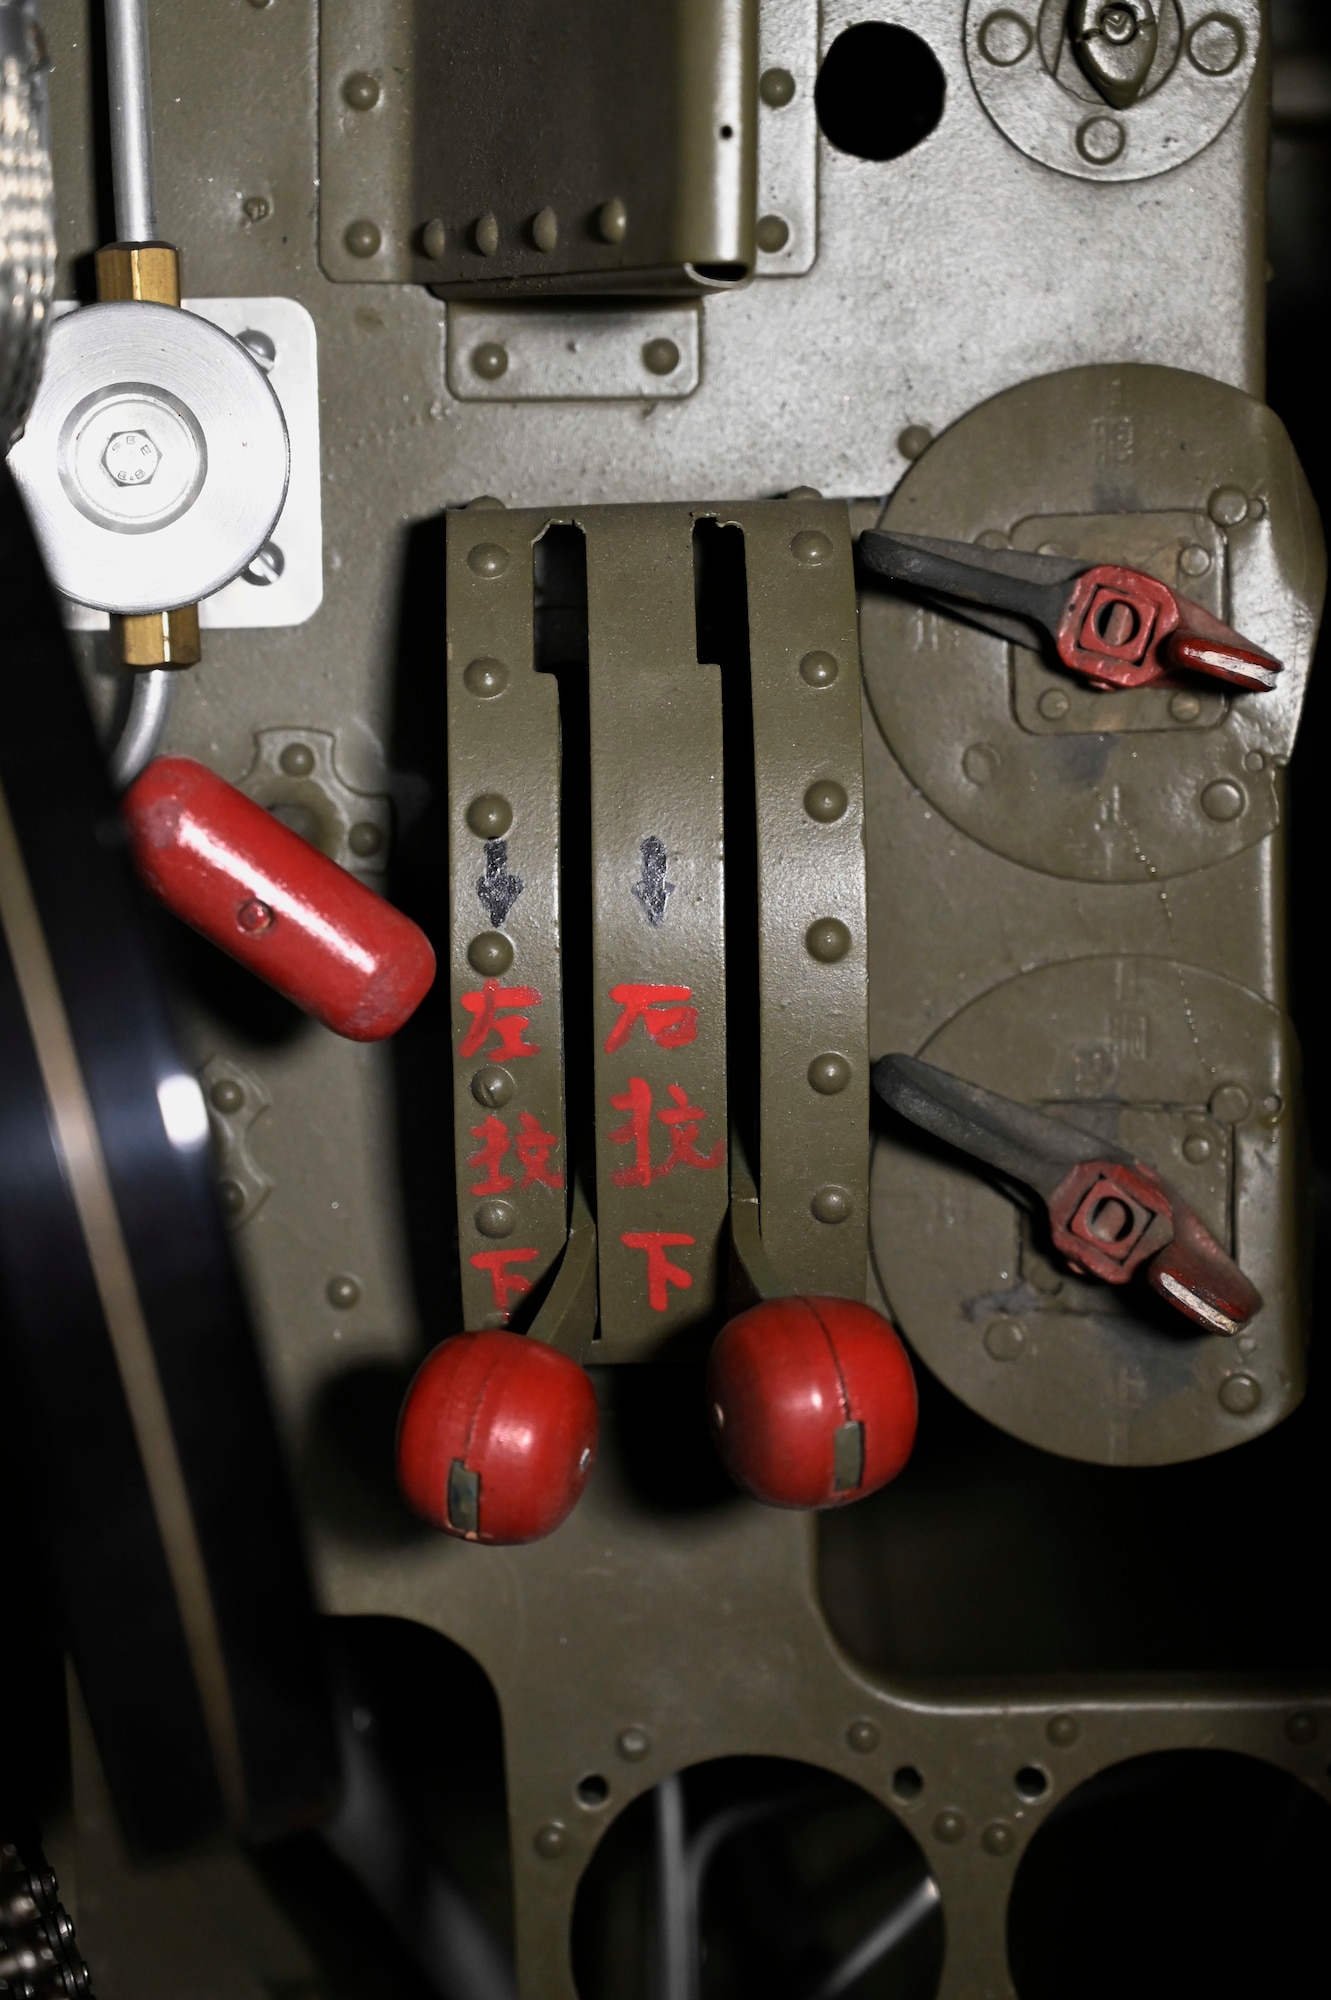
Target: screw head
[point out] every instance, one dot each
(131, 458)
(492, 1086)
(342, 1292)
(266, 566)
(261, 347)
(226, 1096)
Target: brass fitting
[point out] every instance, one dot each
(147, 271)
(148, 639)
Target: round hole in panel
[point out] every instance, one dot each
(880, 91)
(799, 1870)
(1131, 1884)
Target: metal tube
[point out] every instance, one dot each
(895, 1927)
(677, 1914)
(131, 120)
(151, 696)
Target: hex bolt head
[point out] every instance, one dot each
(131, 458)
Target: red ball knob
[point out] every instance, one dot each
(812, 1401)
(496, 1438)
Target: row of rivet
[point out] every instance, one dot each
(489, 358)
(827, 939)
(609, 223)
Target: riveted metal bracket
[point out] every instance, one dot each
(504, 880)
(693, 767)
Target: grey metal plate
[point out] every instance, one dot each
(293, 556)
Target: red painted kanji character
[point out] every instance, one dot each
(637, 1101)
(534, 1148)
(661, 1273)
(684, 1123)
(489, 1009)
(493, 1135)
(507, 1284)
(668, 1022)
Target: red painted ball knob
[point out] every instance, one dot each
(812, 1401)
(496, 1438)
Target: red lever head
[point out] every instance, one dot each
(270, 899)
(496, 1438)
(1122, 628)
(812, 1401)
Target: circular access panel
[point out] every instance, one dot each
(1182, 1069)
(757, 1875)
(1188, 1871)
(1199, 66)
(1166, 472)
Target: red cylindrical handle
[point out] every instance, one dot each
(812, 1401)
(496, 1438)
(224, 865)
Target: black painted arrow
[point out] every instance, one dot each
(652, 891)
(498, 889)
